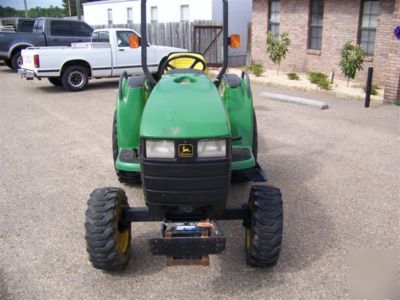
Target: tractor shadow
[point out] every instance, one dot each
(307, 228)
(141, 261)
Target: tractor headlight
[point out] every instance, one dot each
(211, 148)
(160, 149)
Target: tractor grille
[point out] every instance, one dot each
(186, 183)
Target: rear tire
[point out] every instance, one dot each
(16, 60)
(131, 178)
(75, 78)
(8, 63)
(55, 81)
(263, 238)
(108, 240)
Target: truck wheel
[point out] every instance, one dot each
(16, 60)
(107, 238)
(241, 176)
(132, 178)
(8, 63)
(263, 236)
(75, 78)
(55, 81)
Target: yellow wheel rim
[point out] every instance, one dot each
(122, 236)
(123, 240)
(249, 237)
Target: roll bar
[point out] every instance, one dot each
(143, 32)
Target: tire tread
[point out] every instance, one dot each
(267, 224)
(101, 226)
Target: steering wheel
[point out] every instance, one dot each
(167, 64)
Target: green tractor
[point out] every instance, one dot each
(184, 137)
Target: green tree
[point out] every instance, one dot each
(34, 12)
(352, 60)
(52, 11)
(66, 4)
(277, 48)
(10, 12)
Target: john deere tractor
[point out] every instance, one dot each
(184, 137)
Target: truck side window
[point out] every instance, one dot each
(123, 38)
(61, 28)
(101, 37)
(26, 26)
(81, 29)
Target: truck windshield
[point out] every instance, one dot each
(38, 27)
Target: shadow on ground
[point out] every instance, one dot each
(308, 229)
(92, 85)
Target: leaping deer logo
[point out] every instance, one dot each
(185, 150)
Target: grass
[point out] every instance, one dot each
(319, 79)
(293, 76)
(374, 90)
(256, 69)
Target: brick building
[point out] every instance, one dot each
(318, 29)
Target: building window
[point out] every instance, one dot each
(154, 14)
(274, 17)
(369, 20)
(315, 24)
(110, 17)
(129, 15)
(184, 12)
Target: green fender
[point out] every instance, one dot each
(129, 108)
(238, 103)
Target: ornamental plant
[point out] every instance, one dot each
(277, 48)
(352, 60)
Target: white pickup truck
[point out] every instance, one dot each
(108, 55)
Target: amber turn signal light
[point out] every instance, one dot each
(134, 41)
(234, 41)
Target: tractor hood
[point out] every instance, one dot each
(184, 106)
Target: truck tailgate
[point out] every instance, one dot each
(27, 58)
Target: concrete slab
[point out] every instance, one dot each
(296, 100)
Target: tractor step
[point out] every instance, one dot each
(188, 243)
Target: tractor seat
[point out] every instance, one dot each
(182, 64)
(185, 63)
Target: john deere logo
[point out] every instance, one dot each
(185, 150)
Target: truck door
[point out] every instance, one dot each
(128, 59)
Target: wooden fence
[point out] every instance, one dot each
(182, 35)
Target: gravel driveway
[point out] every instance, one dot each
(338, 170)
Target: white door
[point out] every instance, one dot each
(129, 59)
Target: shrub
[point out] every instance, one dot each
(293, 76)
(256, 69)
(319, 79)
(352, 60)
(277, 48)
(374, 90)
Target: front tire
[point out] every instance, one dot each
(75, 78)
(131, 178)
(263, 236)
(107, 238)
(55, 81)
